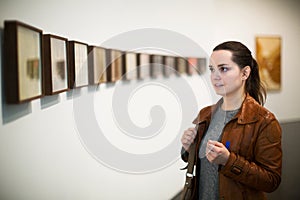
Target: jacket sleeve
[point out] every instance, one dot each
(264, 171)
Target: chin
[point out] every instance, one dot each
(221, 93)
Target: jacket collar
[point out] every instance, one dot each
(248, 113)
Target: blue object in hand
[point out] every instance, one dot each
(227, 144)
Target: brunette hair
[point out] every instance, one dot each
(241, 55)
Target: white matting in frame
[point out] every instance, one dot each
(23, 62)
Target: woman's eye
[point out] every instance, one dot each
(211, 69)
(223, 69)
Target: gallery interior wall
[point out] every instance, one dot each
(41, 153)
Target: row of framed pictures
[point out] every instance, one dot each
(37, 64)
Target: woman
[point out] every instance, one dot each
(238, 142)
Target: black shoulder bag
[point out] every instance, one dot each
(190, 189)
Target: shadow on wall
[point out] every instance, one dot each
(12, 112)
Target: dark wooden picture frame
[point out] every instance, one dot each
(130, 66)
(192, 67)
(181, 65)
(55, 63)
(115, 65)
(169, 65)
(78, 64)
(143, 65)
(22, 62)
(202, 65)
(97, 65)
(196, 65)
(157, 62)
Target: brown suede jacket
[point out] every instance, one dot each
(254, 164)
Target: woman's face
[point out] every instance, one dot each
(226, 76)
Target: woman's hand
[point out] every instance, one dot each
(188, 138)
(216, 152)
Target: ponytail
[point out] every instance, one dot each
(254, 85)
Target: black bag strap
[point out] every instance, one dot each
(191, 162)
(191, 165)
(189, 190)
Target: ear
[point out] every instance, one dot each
(246, 72)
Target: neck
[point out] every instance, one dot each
(233, 103)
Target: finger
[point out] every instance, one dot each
(210, 157)
(188, 141)
(209, 148)
(215, 149)
(189, 136)
(185, 141)
(188, 132)
(212, 142)
(193, 130)
(185, 136)
(218, 144)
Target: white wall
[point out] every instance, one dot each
(42, 150)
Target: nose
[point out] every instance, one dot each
(215, 75)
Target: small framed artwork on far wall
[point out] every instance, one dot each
(196, 65)
(22, 62)
(268, 55)
(156, 66)
(130, 66)
(181, 65)
(78, 64)
(143, 65)
(97, 65)
(202, 65)
(192, 66)
(115, 65)
(55, 76)
(169, 65)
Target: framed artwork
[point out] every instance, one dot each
(143, 65)
(115, 65)
(156, 66)
(78, 64)
(192, 66)
(22, 62)
(169, 65)
(202, 65)
(130, 65)
(181, 64)
(97, 65)
(196, 66)
(55, 73)
(268, 55)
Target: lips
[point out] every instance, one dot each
(219, 85)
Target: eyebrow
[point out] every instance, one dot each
(220, 65)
